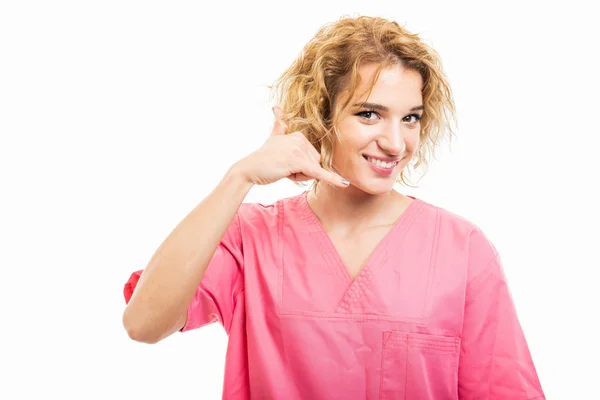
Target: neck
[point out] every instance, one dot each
(350, 208)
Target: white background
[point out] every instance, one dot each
(118, 117)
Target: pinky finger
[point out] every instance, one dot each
(331, 178)
(299, 177)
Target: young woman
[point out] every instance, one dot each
(350, 290)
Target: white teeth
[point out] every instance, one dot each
(382, 164)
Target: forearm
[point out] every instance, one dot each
(174, 272)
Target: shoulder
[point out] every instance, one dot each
(458, 229)
(459, 238)
(446, 219)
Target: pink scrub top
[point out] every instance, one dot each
(429, 316)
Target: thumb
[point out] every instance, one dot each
(279, 126)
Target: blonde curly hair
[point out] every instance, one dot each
(329, 64)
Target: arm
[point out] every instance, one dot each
(158, 307)
(170, 281)
(495, 362)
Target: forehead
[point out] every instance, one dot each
(396, 87)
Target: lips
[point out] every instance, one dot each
(381, 162)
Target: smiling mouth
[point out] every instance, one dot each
(381, 164)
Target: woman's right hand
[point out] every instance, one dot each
(286, 156)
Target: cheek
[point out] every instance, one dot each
(358, 136)
(417, 142)
(351, 148)
(351, 137)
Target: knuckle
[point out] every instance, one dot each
(296, 152)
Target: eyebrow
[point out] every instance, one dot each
(380, 107)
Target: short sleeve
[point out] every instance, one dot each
(495, 362)
(215, 298)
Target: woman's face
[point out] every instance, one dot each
(378, 139)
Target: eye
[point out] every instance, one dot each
(366, 114)
(416, 117)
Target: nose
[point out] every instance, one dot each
(391, 139)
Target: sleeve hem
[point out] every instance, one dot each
(185, 326)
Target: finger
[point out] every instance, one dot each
(299, 177)
(314, 154)
(307, 147)
(279, 126)
(327, 176)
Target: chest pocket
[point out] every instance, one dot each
(418, 366)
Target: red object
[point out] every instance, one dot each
(130, 285)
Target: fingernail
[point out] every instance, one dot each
(345, 182)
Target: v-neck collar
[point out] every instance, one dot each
(355, 286)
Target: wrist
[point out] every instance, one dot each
(237, 177)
